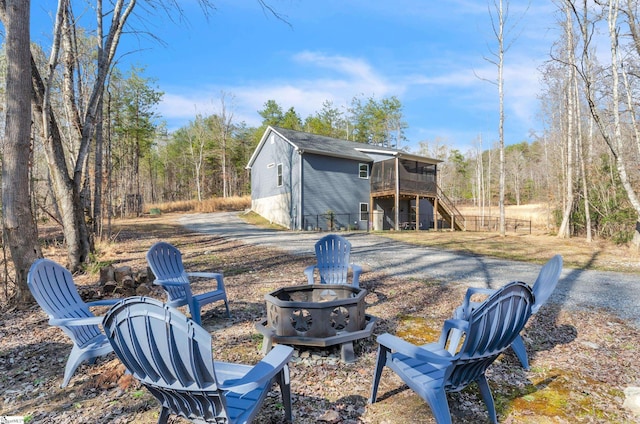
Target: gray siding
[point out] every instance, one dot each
(333, 184)
(264, 178)
(265, 167)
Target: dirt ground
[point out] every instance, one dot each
(581, 362)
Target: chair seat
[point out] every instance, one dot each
(98, 342)
(211, 296)
(239, 405)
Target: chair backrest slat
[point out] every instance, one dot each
(546, 281)
(333, 255)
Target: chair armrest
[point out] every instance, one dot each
(357, 270)
(458, 324)
(75, 321)
(103, 302)
(169, 283)
(478, 290)
(452, 324)
(262, 372)
(204, 274)
(211, 275)
(308, 271)
(399, 345)
(471, 291)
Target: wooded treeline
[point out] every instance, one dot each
(96, 148)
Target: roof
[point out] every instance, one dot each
(305, 142)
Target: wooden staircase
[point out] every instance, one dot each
(448, 211)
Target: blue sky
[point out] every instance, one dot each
(429, 54)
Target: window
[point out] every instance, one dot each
(364, 170)
(279, 175)
(364, 211)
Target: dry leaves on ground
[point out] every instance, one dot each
(581, 361)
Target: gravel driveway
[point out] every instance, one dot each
(617, 292)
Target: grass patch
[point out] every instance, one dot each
(215, 204)
(257, 220)
(598, 255)
(418, 330)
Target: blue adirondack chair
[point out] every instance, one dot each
(432, 371)
(53, 288)
(171, 355)
(165, 261)
(332, 256)
(543, 287)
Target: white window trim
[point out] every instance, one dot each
(279, 175)
(361, 212)
(359, 170)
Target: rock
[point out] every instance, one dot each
(150, 275)
(143, 290)
(128, 282)
(106, 275)
(120, 291)
(88, 293)
(632, 400)
(330, 416)
(143, 276)
(109, 287)
(590, 345)
(122, 272)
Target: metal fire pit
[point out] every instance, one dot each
(316, 315)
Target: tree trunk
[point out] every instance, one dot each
(20, 229)
(97, 177)
(66, 191)
(583, 170)
(501, 183)
(616, 145)
(67, 184)
(564, 231)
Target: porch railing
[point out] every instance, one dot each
(335, 222)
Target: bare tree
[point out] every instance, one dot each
(611, 129)
(570, 99)
(68, 169)
(20, 231)
(68, 173)
(499, 18)
(224, 126)
(583, 167)
(196, 140)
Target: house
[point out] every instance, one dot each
(306, 181)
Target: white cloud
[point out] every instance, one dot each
(185, 106)
(341, 79)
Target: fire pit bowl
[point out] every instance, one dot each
(316, 315)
